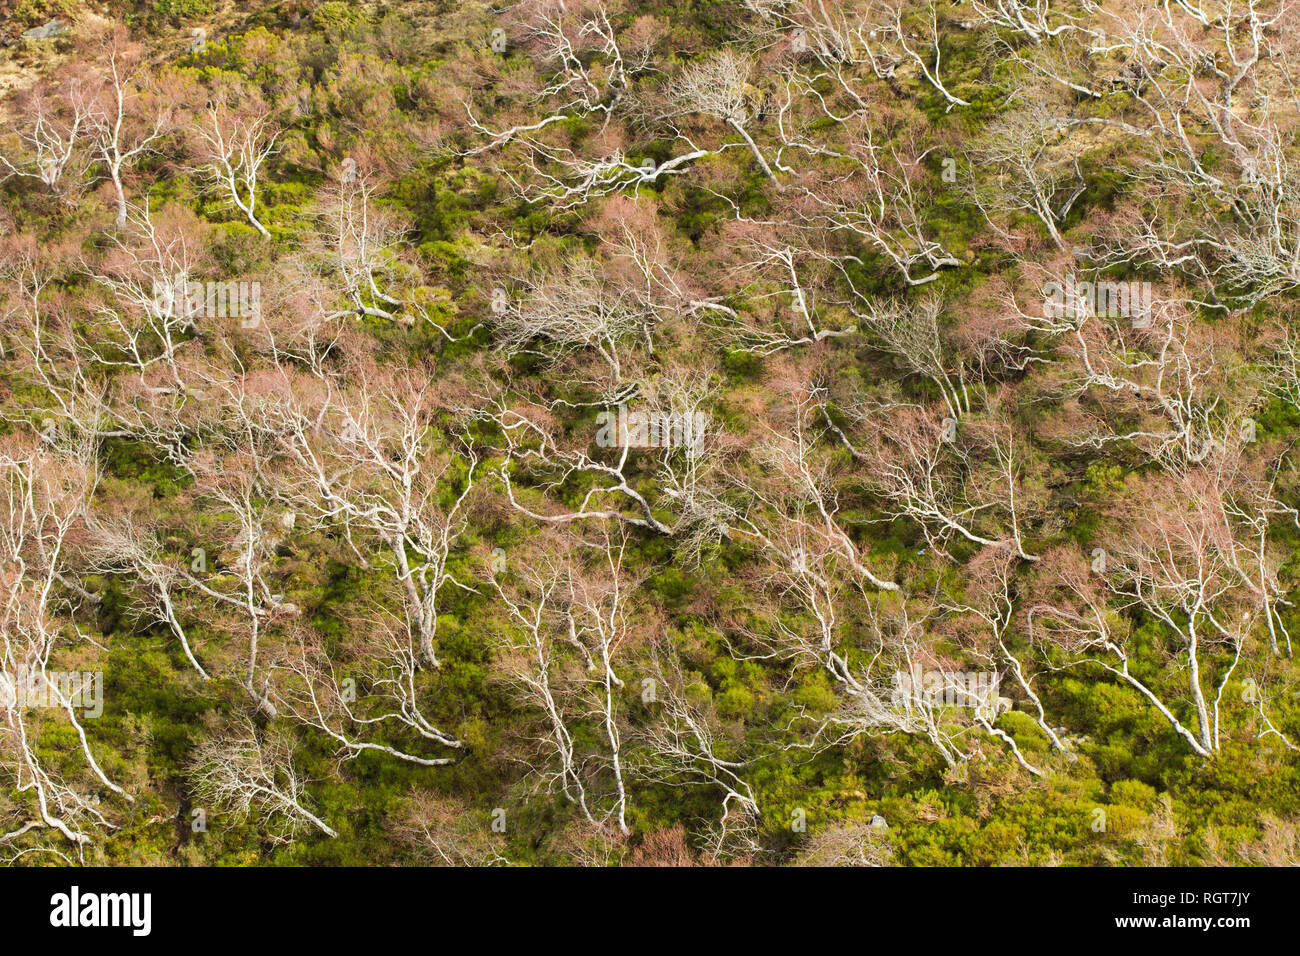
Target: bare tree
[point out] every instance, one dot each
(990, 599)
(235, 137)
(128, 116)
(51, 144)
(123, 546)
(154, 297)
(46, 496)
(687, 744)
(855, 843)
(382, 696)
(586, 57)
(1031, 163)
(578, 309)
(251, 773)
(718, 87)
(442, 832)
(1174, 564)
(373, 461)
(356, 245)
(570, 622)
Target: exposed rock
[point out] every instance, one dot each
(51, 29)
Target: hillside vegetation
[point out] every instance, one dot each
(600, 432)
